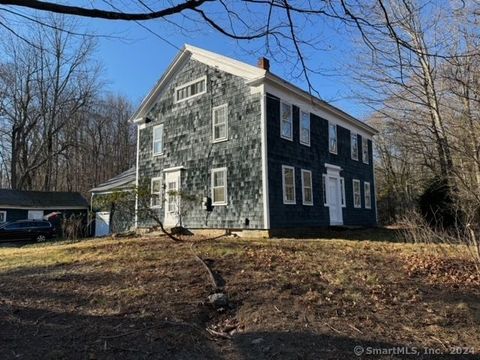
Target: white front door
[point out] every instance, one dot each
(334, 200)
(172, 199)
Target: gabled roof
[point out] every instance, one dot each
(42, 199)
(125, 180)
(253, 76)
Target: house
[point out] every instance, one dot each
(258, 152)
(19, 205)
(109, 218)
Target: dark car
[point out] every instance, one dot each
(21, 230)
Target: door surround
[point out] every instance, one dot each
(334, 202)
(172, 181)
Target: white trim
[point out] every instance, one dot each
(332, 167)
(44, 207)
(365, 183)
(290, 138)
(301, 112)
(304, 202)
(4, 216)
(375, 192)
(224, 138)
(360, 193)
(352, 135)
(343, 196)
(153, 139)
(368, 152)
(288, 202)
(175, 168)
(158, 178)
(265, 189)
(202, 78)
(213, 171)
(139, 127)
(330, 123)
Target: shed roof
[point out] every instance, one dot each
(42, 199)
(123, 181)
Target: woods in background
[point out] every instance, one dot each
(59, 128)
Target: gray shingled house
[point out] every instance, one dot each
(20, 205)
(258, 152)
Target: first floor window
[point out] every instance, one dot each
(158, 140)
(354, 146)
(332, 138)
(286, 123)
(156, 192)
(368, 195)
(365, 151)
(3, 216)
(220, 123)
(288, 179)
(219, 186)
(304, 128)
(357, 199)
(307, 193)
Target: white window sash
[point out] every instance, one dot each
(154, 140)
(354, 149)
(184, 87)
(342, 189)
(367, 194)
(284, 185)
(365, 152)
(305, 129)
(224, 186)
(355, 193)
(289, 121)
(324, 190)
(306, 186)
(330, 138)
(216, 124)
(158, 193)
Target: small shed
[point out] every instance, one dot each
(109, 218)
(21, 205)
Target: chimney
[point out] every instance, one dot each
(264, 63)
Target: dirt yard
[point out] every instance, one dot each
(146, 298)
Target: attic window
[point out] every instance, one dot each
(191, 89)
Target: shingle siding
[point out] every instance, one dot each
(284, 152)
(188, 143)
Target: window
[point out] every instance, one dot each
(288, 180)
(307, 194)
(304, 128)
(342, 192)
(324, 189)
(158, 140)
(219, 186)
(357, 199)
(332, 138)
(354, 145)
(3, 216)
(286, 124)
(189, 90)
(172, 197)
(365, 151)
(368, 195)
(220, 123)
(156, 192)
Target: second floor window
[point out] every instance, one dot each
(191, 89)
(304, 128)
(158, 140)
(354, 146)
(332, 138)
(365, 151)
(286, 123)
(220, 123)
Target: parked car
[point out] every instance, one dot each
(21, 230)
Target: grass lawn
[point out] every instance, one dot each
(146, 298)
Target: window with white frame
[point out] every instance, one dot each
(158, 140)
(304, 128)
(219, 186)
(307, 190)
(220, 123)
(342, 192)
(354, 145)
(156, 192)
(368, 195)
(191, 89)
(324, 189)
(3, 216)
(365, 152)
(357, 198)
(332, 138)
(288, 180)
(172, 196)
(286, 122)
